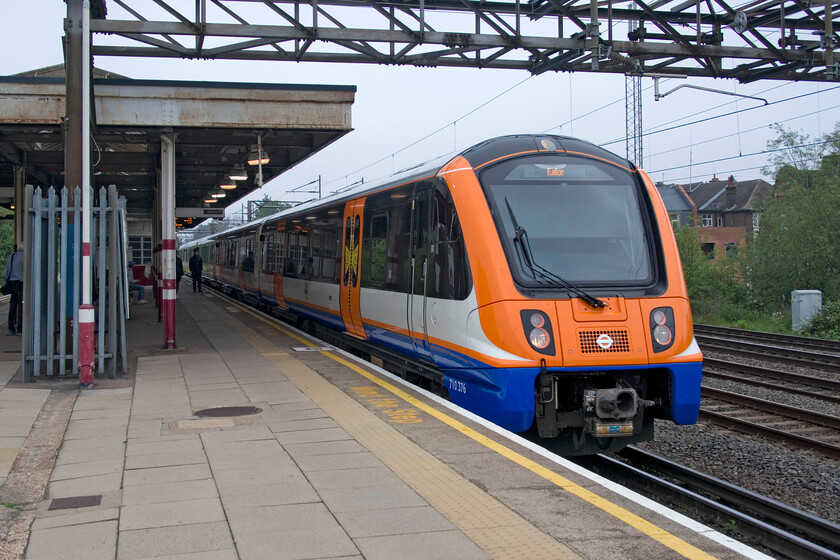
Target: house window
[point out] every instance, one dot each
(720, 221)
(675, 219)
(756, 217)
(708, 250)
(707, 220)
(731, 250)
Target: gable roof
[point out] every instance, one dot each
(711, 196)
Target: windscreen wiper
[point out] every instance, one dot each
(521, 237)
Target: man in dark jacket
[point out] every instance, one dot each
(14, 275)
(196, 266)
(179, 272)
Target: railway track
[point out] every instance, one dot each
(792, 341)
(763, 351)
(795, 383)
(786, 424)
(786, 531)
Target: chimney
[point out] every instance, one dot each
(731, 198)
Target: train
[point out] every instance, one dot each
(533, 280)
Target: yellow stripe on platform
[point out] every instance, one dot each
(495, 528)
(646, 527)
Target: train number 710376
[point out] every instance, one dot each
(457, 386)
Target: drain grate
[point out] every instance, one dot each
(225, 411)
(76, 502)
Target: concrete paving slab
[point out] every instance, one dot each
(189, 442)
(87, 468)
(353, 478)
(323, 448)
(330, 462)
(295, 545)
(169, 492)
(440, 545)
(97, 540)
(278, 426)
(275, 518)
(185, 539)
(172, 458)
(117, 412)
(74, 517)
(85, 486)
(91, 429)
(313, 436)
(158, 475)
(171, 513)
(226, 554)
(84, 450)
(371, 497)
(242, 433)
(392, 521)
(237, 478)
(269, 495)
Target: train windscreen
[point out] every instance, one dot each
(570, 217)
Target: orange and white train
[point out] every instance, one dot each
(533, 279)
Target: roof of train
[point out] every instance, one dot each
(477, 155)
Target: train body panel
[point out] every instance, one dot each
(538, 275)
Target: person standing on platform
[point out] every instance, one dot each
(14, 275)
(179, 272)
(196, 266)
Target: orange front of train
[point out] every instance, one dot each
(579, 292)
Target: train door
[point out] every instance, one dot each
(277, 256)
(350, 265)
(419, 263)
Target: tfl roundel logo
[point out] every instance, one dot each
(605, 341)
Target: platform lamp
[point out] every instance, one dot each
(217, 194)
(258, 158)
(238, 173)
(227, 184)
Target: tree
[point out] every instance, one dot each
(712, 284)
(795, 149)
(797, 247)
(267, 207)
(7, 235)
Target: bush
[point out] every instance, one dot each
(826, 323)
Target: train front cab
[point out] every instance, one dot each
(593, 378)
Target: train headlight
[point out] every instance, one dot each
(662, 328)
(662, 335)
(537, 327)
(539, 338)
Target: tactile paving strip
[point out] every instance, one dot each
(494, 527)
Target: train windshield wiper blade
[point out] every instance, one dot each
(521, 234)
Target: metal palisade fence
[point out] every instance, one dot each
(52, 282)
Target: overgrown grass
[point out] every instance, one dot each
(728, 314)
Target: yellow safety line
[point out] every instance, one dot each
(657, 533)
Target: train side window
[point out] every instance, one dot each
(248, 255)
(331, 253)
(449, 275)
(267, 256)
(377, 253)
(313, 267)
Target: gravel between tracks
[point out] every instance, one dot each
(799, 478)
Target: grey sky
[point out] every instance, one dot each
(397, 106)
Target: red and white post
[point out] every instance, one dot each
(167, 211)
(86, 311)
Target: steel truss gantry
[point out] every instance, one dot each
(759, 39)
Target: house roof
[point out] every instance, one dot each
(711, 196)
(674, 197)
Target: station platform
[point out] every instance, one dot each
(306, 453)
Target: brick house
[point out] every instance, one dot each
(726, 211)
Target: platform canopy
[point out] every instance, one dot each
(216, 125)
